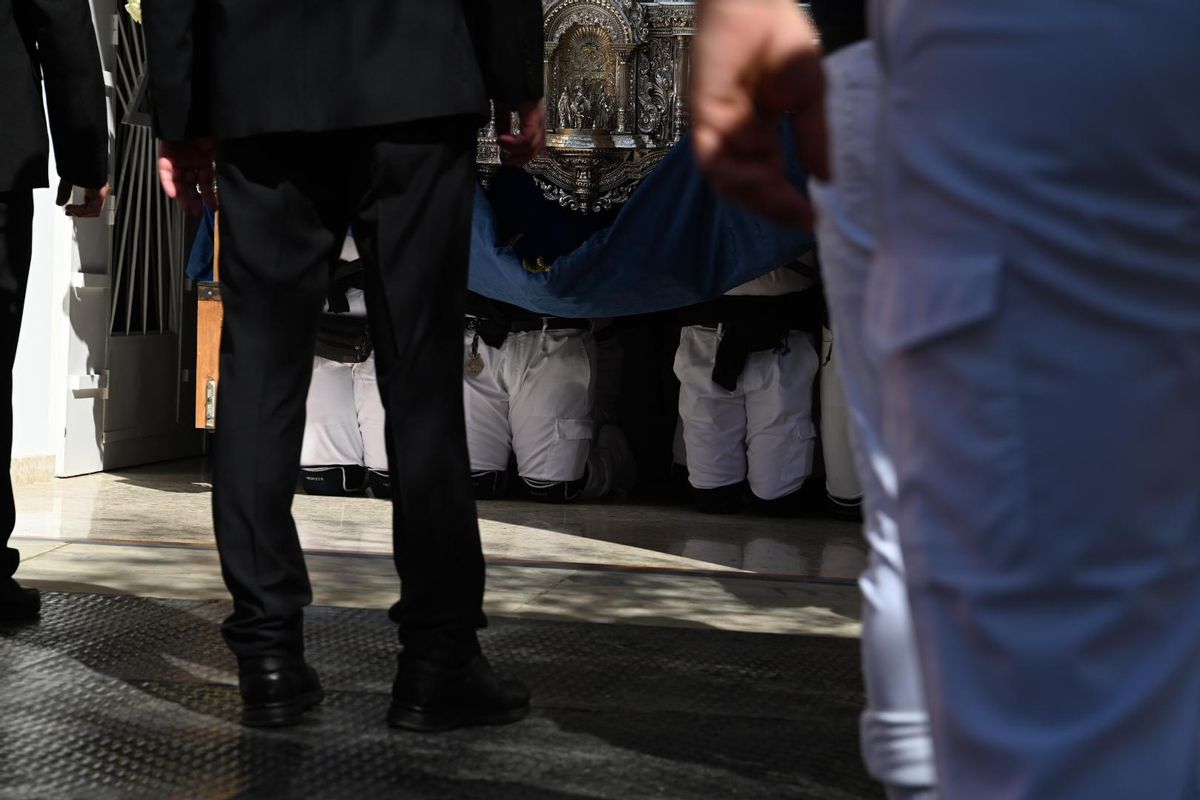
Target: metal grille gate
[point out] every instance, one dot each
(151, 343)
(148, 244)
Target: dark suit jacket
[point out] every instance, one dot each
(51, 41)
(235, 68)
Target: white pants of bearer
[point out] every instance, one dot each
(763, 431)
(896, 740)
(533, 397)
(345, 417)
(344, 413)
(843, 487)
(1035, 304)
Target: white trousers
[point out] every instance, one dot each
(1035, 302)
(345, 417)
(344, 424)
(533, 398)
(841, 471)
(763, 430)
(896, 739)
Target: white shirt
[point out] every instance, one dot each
(773, 284)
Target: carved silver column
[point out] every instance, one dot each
(554, 122)
(623, 90)
(683, 57)
(487, 150)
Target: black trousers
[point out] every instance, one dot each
(16, 248)
(286, 203)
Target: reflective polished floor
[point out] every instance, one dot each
(148, 532)
(170, 504)
(649, 632)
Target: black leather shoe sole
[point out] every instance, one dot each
(20, 605)
(436, 721)
(281, 714)
(18, 616)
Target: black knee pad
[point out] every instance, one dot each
(489, 485)
(334, 481)
(722, 500)
(810, 498)
(790, 505)
(678, 482)
(380, 483)
(845, 508)
(554, 491)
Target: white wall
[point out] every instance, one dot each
(33, 383)
(41, 372)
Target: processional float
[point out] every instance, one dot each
(616, 74)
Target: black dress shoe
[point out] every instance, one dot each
(430, 696)
(18, 604)
(277, 691)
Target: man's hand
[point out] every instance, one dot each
(754, 60)
(93, 200)
(529, 139)
(185, 170)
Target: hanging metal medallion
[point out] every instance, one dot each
(474, 365)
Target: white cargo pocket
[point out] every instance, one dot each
(569, 452)
(573, 429)
(922, 302)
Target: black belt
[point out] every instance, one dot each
(527, 325)
(346, 276)
(754, 324)
(735, 347)
(494, 333)
(549, 324)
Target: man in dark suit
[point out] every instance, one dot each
(50, 42)
(320, 116)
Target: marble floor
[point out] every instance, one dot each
(148, 532)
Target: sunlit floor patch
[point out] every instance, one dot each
(726, 601)
(172, 504)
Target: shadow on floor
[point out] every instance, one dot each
(133, 697)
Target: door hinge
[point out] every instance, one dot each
(210, 404)
(90, 385)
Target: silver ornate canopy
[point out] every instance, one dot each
(616, 73)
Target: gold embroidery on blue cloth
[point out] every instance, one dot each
(537, 267)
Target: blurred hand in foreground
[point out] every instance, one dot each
(530, 137)
(185, 170)
(753, 61)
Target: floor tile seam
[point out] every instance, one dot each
(541, 594)
(573, 566)
(54, 549)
